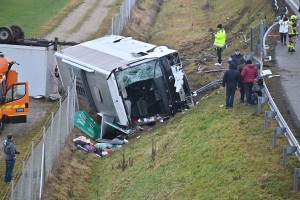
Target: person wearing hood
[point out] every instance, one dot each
(249, 74)
(10, 157)
(235, 57)
(219, 43)
(231, 80)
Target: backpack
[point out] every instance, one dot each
(254, 98)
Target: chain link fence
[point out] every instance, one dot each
(118, 22)
(29, 185)
(256, 39)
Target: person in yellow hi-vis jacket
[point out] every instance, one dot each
(292, 33)
(219, 43)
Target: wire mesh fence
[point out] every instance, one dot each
(118, 22)
(256, 38)
(44, 154)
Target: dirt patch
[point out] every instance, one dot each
(82, 22)
(74, 165)
(142, 18)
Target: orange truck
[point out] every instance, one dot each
(14, 95)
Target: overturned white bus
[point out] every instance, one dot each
(126, 80)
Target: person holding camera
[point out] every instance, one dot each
(10, 157)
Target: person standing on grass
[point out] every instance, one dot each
(240, 67)
(235, 57)
(249, 74)
(10, 157)
(231, 80)
(283, 28)
(219, 43)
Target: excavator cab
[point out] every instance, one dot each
(14, 95)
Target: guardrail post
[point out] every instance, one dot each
(12, 190)
(261, 100)
(278, 130)
(296, 177)
(269, 114)
(288, 150)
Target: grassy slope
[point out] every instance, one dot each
(206, 152)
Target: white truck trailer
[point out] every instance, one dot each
(36, 66)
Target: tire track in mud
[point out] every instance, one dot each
(90, 21)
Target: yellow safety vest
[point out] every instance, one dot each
(220, 38)
(292, 28)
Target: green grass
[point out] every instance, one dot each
(29, 14)
(206, 152)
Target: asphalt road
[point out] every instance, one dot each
(289, 65)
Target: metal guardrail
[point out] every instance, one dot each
(284, 128)
(208, 86)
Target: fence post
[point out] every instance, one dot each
(59, 121)
(251, 40)
(50, 158)
(68, 111)
(278, 130)
(31, 172)
(42, 165)
(112, 25)
(261, 36)
(288, 150)
(269, 114)
(296, 177)
(12, 190)
(73, 103)
(261, 100)
(22, 191)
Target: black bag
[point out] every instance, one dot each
(254, 98)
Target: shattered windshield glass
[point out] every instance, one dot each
(140, 72)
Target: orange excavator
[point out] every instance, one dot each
(14, 95)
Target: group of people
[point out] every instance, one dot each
(288, 27)
(242, 74)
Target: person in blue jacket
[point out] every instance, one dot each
(10, 157)
(235, 57)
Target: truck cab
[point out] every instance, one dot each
(14, 95)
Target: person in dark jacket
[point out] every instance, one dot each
(242, 89)
(235, 57)
(231, 80)
(249, 74)
(10, 157)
